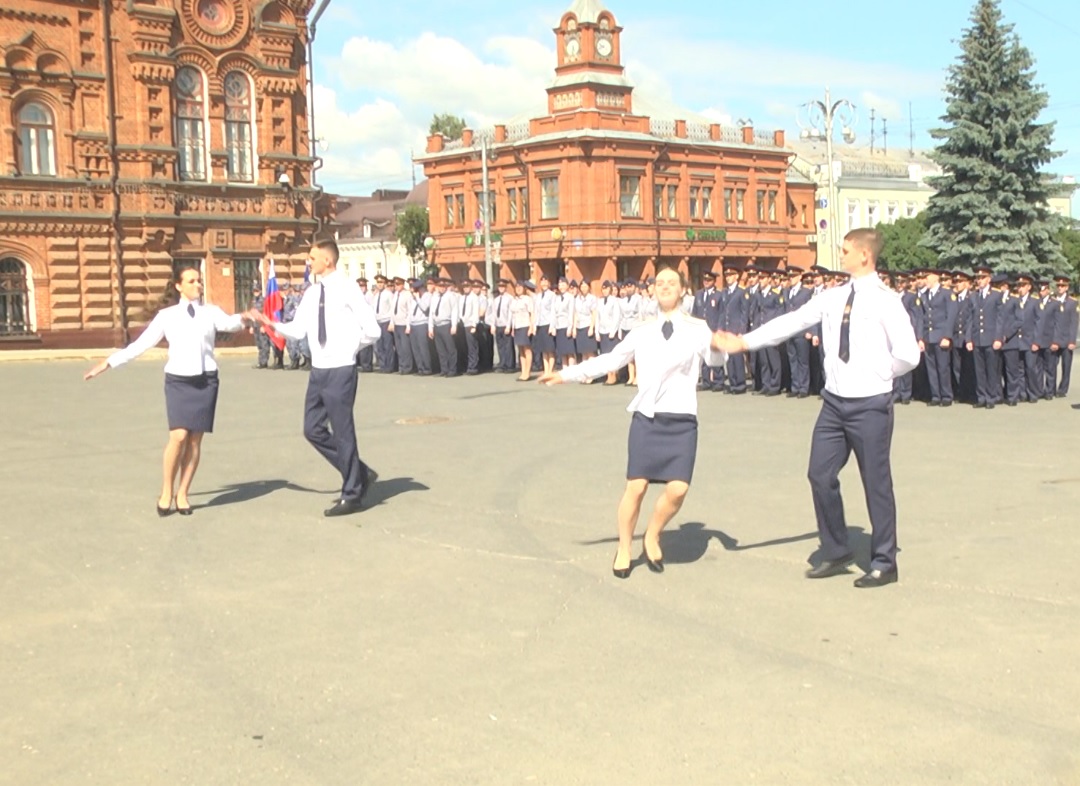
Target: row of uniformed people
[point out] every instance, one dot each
(299, 351)
(988, 338)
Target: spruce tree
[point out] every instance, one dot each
(990, 204)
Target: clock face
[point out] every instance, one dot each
(573, 47)
(603, 47)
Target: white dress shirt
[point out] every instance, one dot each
(350, 321)
(881, 340)
(667, 369)
(191, 338)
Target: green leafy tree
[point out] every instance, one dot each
(450, 126)
(1069, 237)
(412, 229)
(990, 204)
(903, 249)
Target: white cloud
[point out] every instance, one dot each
(883, 107)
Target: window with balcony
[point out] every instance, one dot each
(189, 91)
(37, 140)
(630, 196)
(238, 128)
(549, 195)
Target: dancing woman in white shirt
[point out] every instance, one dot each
(663, 432)
(191, 378)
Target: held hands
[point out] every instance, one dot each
(729, 342)
(551, 378)
(100, 368)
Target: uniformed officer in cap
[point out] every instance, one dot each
(985, 338)
(940, 310)
(963, 362)
(770, 305)
(417, 329)
(798, 346)
(262, 341)
(499, 320)
(442, 326)
(735, 318)
(470, 322)
(1065, 331)
(1023, 377)
(385, 354)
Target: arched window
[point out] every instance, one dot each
(37, 135)
(191, 123)
(15, 314)
(238, 136)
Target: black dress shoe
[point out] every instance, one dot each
(946, 403)
(989, 406)
(877, 578)
(933, 403)
(163, 512)
(183, 511)
(369, 481)
(1011, 403)
(979, 405)
(622, 573)
(803, 395)
(830, 567)
(343, 507)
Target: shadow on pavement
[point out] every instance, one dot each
(249, 490)
(384, 490)
(690, 541)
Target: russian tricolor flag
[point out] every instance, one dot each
(272, 305)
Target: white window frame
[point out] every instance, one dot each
(248, 125)
(33, 135)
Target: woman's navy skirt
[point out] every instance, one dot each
(662, 448)
(584, 343)
(191, 402)
(564, 345)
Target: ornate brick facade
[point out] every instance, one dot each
(186, 141)
(602, 187)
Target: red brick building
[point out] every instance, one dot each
(185, 141)
(593, 189)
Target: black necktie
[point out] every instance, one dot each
(667, 329)
(845, 329)
(322, 315)
(191, 309)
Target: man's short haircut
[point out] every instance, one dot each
(682, 279)
(869, 240)
(329, 245)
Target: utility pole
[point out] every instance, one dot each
(871, 132)
(911, 131)
(488, 273)
(822, 115)
(885, 135)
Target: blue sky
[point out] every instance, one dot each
(382, 70)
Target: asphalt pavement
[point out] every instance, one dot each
(466, 628)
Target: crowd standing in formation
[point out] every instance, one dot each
(984, 339)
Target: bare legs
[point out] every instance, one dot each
(525, 354)
(549, 362)
(630, 508)
(181, 459)
(189, 462)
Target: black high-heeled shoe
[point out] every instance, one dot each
(656, 566)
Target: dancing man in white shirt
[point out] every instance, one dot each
(668, 351)
(337, 321)
(868, 341)
(191, 377)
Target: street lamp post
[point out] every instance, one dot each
(488, 274)
(821, 115)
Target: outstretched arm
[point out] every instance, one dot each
(598, 366)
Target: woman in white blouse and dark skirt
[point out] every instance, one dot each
(523, 325)
(668, 351)
(191, 377)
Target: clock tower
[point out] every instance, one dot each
(589, 74)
